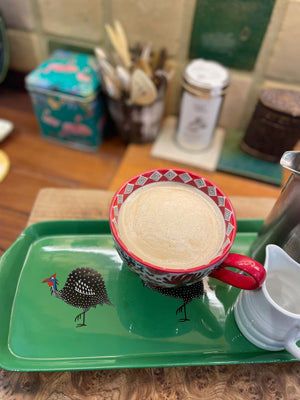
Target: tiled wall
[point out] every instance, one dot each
(230, 31)
(259, 41)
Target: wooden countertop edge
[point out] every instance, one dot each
(54, 204)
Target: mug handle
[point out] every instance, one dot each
(291, 342)
(256, 271)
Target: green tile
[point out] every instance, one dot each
(230, 31)
(234, 161)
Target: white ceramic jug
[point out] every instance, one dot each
(269, 317)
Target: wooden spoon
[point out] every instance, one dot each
(143, 90)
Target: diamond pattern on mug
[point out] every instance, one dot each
(129, 188)
(185, 177)
(200, 183)
(120, 198)
(116, 211)
(170, 175)
(156, 176)
(141, 181)
(212, 191)
(221, 201)
(227, 214)
(115, 223)
(229, 229)
(226, 243)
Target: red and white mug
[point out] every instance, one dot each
(253, 274)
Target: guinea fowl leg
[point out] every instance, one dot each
(183, 307)
(79, 317)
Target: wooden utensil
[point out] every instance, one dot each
(107, 70)
(144, 66)
(123, 40)
(143, 90)
(146, 52)
(100, 53)
(118, 44)
(105, 64)
(159, 59)
(124, 77)
(111, 88)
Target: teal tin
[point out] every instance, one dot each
(66, 94)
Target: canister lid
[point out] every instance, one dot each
(206, 74)
(66, 72)
(282, 100)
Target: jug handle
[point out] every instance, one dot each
(256, 272)
(291, 342)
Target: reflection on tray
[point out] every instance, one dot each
(152, 314)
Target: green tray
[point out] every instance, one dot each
(38, 331)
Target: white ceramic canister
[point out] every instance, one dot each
(204, 85)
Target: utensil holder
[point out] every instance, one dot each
(135, 123)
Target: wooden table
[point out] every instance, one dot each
(78, 189)
(137, 159)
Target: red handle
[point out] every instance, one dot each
(256, 271)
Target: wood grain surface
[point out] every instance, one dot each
(137, 159)
(222, 382)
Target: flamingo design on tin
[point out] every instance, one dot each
(76, 128)
(49, 120)
(57, 67)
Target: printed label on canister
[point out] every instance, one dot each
(198, 118)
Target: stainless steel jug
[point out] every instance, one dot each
(282, 226)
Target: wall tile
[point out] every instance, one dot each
(82, 19)
(285, 61)
(173, 93)
(25, 52)
(235, 100)
(56, 44)
(17, 14)
(157, 21)
(230, 31)
(280, 85)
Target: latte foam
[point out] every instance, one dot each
(171, 225)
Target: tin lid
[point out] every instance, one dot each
(282, 100)
(66, 72)
(206, 74)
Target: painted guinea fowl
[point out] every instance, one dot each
(84, 288)
(185, 293)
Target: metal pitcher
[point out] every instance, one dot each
(282, 226)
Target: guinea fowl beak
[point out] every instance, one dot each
(50, 283)
(49, 280)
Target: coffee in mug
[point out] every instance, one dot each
(172, 225)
